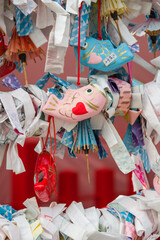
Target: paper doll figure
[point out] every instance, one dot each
(77, 104)
(101, 55)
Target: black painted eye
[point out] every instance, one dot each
(88, 91)
(85, 46)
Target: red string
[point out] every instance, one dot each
(99, 20)
(44, 146)
(48, 132)
(55, 146)
(55, 142)
(49, 135)
(50, 145)
(79, 44)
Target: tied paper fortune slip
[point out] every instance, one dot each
(27, 8)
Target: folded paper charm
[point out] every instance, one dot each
(101, 55)
(77, 104)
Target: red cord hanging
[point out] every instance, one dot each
(99, 20)
(48, 132)
(79, 44)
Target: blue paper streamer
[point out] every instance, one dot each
(85, 12)
(24, 23)
(101, 151)
(7, 211)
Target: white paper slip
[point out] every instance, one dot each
(133, 207)
(13, 161)
(55, 56)
(24, 227)
(10, 109)
(140, 61)
(136, 100)
(83, 81)
(106, 236)
(156, 61)
(109, 59)
(71, 230)
(126, 35)
(149, 114)
(55, 7)
(154, 95)
(48, 225)
(97, 122)
(37, 37)
(52, 211)
(78, 218)
(108, 134)
(112, 223)
(32, 210)
(47, 19)
(92, 215)
(62, 29)
(19, 2)
(29, 110)
(146, 7)
(117, 148)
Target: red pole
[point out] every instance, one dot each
(22, 184)
(104, 187)
(68, 187)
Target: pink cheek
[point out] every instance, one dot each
(94, 59)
